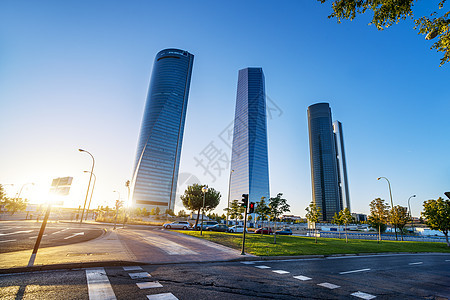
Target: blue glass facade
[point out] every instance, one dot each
(249, 158)
(324, 168)
(157, 161)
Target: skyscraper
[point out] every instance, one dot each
(328, 170)
(342, 165)
(157, 161)
(249, 158)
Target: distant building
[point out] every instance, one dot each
(249, 158)
(359, 217)
(155, 172)
(328, 163)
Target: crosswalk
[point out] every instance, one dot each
(100, 288)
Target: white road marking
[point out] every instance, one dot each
(139, 275)
(148, 285)
(164, 296)
(62, 230)
(8, 241)
(247, 262)
(447, 260)
(16, 232)
(354, 271)
(169, 247)
(363, 295)
(133, 268)
(98, 285)
(329, 285)
(416, 263)
(300, 277)
(262, 267)
(73, 235)
(35, 237)
(280, 272)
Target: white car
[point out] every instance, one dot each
(178, 225)
(237, 229)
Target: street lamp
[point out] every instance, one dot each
(229, 189)
(410, 212)
(20, 192)
(204, 190)
(392, 203)
(89, 184)
(92, 191)
(117, 209)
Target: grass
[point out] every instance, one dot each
(296, 245)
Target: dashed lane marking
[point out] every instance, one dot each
(363, 295)
(59, 231)
(139, 275)
(8, 241)
(16, 232)
(247, 262)
(35, 237)
(354, 271)
(300, 277)
(98, 285)
(280, 272)
(148, 285)
(416, 263)
(329, 285)
(262, 267)
(163, 296)
(447, 260)
(73, 235)
(132, 268)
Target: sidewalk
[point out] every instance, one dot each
(106, 248)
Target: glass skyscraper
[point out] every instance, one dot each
(158, 152)
(328, 170)
(249, 158)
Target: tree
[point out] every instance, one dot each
(277, 206)
(2, 193)
(262, 210)
(338, 221)
(437, 215)
(388, 12)
(193, 199)
(346, 218)
(235, 210)
(14, 205)
(182, 214)
(399, 216)
(379, 212)
(169, 212)
(312, 215)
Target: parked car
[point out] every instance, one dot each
(264, 230)
(205, 224)
(237, 229)
(285, 231)
(218, 227)
(178, 225)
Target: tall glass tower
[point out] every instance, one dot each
(342, 165)
(155, 171)
(249, 158)
(324, 164)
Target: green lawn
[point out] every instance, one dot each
(295, 245)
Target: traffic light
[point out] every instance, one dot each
(251, 208)
(245, 200)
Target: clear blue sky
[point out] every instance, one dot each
(75, 74)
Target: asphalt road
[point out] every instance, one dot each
(411, 276)
(22, 235)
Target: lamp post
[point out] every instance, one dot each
(89, 184)
(204, 190)
(392, 203)
(92, 191)
(117, 209)
(127, 184)
(18, 194)
(410, 212)
(229, 189)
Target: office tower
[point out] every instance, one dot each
(327, 160)
(249, 151)
(342, 165)
(155, 171)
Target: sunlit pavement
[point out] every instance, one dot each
(407, 276)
